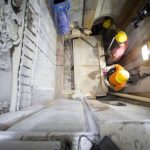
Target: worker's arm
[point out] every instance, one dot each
(106, 54)
(106, 69)
(108, 84)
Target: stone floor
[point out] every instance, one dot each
(59, 116)
(68, 119)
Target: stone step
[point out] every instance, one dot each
(30, 145)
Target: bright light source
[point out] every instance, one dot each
(145, 52)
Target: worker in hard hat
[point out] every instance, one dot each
(117, 79)
(107, 23)
(102, 25)
(119, 48)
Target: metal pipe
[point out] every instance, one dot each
(112, 41)
(138, 98)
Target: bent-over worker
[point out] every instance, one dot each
(102, 25)
(118, 79)
(121, 45)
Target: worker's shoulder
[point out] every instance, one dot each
(118, 66)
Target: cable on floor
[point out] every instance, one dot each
(93, 144)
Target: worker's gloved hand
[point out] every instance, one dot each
(104, 71)
(113, 27)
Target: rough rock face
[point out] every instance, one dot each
(27, 53)
(9, 23)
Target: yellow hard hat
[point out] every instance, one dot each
(121, 37)
(122, 76)
(107, 23)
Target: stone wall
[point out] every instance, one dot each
(38, 60)
(9, 39)
(27, 53)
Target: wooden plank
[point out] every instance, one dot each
(134, 97)
(142, 94)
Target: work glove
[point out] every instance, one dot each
(104, 70)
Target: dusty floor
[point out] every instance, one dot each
(66, 118)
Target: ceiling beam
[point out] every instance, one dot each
(89, 13)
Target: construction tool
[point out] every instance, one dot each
(108, 50)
